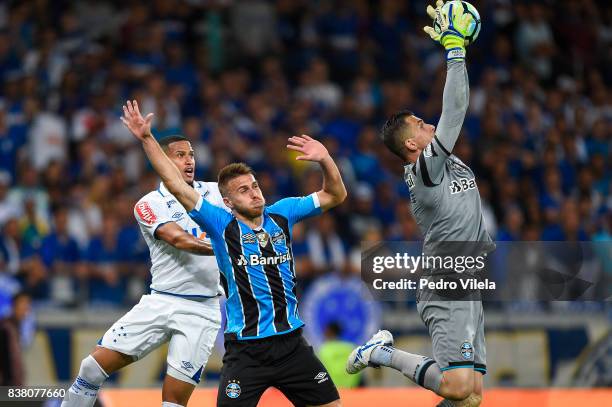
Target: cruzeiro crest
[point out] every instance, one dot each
(262, 238)
(233, 390)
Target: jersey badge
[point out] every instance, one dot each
(263, 238)
(144, 210)
(278, 237)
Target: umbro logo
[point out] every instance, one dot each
(249, 238)
(186, 365)
(321, 377)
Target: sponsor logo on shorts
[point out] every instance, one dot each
(186, 365)
(177, 215)
(321, 377)
(144, 211)
(233, 390)
(467, 350)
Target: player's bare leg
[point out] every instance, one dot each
(473, 400)
(457, 384)
(478, 384)
(176, 391)
(111, 360)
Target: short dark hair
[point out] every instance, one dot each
(166, 141)
(231, 171)
(392, 130)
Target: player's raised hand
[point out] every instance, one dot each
(133, 120)
(453, 27)
(311, 149)
(435, 14)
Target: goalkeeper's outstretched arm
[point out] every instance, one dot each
(455, 102)
(456, 89)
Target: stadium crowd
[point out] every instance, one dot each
(239, 77)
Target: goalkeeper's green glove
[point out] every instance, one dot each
(453, 29)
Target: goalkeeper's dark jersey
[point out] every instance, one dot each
(257, 265)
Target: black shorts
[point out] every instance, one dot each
(286, 362)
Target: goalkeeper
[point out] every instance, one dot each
(446, 205)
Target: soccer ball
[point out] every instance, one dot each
(474, 27)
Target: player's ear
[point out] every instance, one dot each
(227, 203)
(410, 144)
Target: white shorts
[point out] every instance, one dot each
(190, 326)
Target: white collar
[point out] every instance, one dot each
(197, 185)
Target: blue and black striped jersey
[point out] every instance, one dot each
(257, 265)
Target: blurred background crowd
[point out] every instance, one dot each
(240, 77)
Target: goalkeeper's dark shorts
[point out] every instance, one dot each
(286, 362)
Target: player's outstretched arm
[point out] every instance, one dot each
(455, 103)
(170, 175)
(172, 234)
(333, 192)
(456, 89)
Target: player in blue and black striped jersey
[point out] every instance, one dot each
(263, 341)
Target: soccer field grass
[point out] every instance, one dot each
(384, 397)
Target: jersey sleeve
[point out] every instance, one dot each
(209, 217)
(296, 209)
(455, 101)
(151, 214)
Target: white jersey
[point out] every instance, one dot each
(174, 271)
